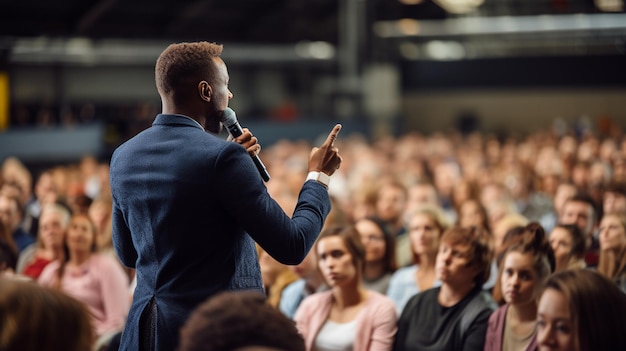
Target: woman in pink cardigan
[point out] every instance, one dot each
(95, 279)
(347, 316)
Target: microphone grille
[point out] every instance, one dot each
(229, 117)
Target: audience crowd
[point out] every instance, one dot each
(435, 242)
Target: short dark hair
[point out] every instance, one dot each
(617, 187)
(183, 63)
(586, 198)
(235, 319)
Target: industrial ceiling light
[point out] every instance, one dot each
(411, 2)
(459, 6)
(610, 5)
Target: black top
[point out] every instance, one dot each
(426, 325)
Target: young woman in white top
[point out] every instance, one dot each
(348, 316)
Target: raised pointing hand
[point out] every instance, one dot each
(326, 158)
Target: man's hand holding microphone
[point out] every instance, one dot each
(323, 161)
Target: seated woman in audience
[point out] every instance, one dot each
(42, 319)
(53, 223)
(568, 244)
(613, 248)
(93, 278)
(473, 214)
(581, 310)
(425, 228)
(100, 213)
(380, 253)
(348, 316)
(310, 278)
(524, 269)
(453, 316)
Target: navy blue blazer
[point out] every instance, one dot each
(187, 208)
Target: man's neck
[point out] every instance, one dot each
(450, 296)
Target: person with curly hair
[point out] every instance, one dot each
(239, 321)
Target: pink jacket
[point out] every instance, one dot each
(101, 284)
(376, 323)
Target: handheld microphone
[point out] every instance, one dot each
(229, 120)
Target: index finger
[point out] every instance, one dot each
(333, 135)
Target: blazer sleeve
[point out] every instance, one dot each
(122, 239)
(246, 199)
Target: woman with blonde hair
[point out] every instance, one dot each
(613, 248)
(53, 223)
(347, 316)
(425, 227)
(93, 278)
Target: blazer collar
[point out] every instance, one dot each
(165, 119)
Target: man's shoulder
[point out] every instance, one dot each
(190, 141)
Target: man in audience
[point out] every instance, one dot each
(419, 194)
(580, 210)
(564, 191)
(614, 198)
(391, 201)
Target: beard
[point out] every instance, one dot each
(212, 122)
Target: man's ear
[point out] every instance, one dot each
(205, 90)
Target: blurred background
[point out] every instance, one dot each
(77, 77)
